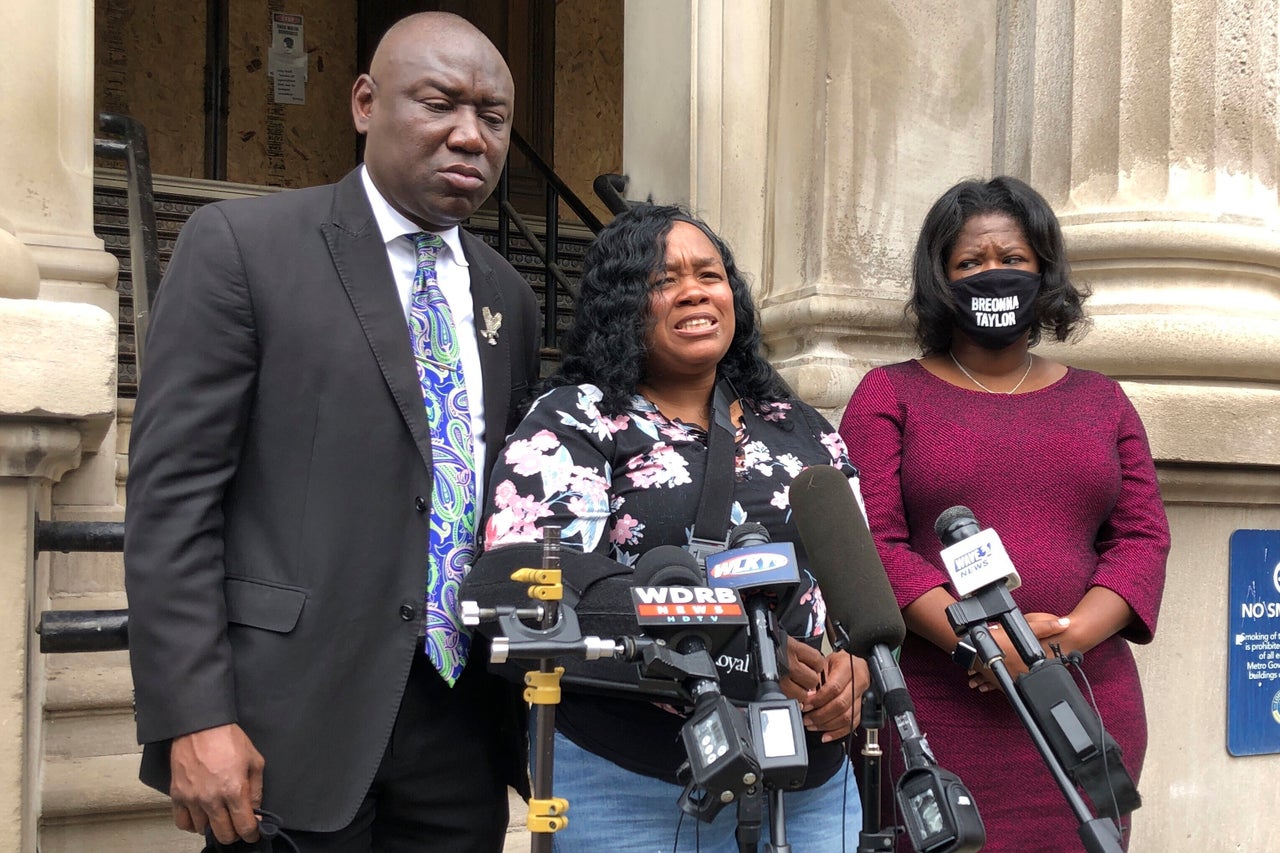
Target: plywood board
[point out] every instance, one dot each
(588, 93)
(291, 145)
(149, 64)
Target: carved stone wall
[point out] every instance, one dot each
(57, 357)
(1150, 126)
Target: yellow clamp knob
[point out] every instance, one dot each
(547, 815)
(540, 576)
(543, 688)
(546, 593)
(545, 583)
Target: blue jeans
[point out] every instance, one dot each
(615, 810)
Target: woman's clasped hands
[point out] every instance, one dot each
(829, 688)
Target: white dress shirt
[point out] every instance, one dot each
(454, 280)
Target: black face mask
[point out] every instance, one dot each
(996, 307)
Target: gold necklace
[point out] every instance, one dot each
(974, 380)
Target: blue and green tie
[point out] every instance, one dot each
(451, 542)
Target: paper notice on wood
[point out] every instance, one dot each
(287, 59)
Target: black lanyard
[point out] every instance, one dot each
(712, 522)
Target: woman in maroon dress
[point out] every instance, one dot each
(1055, 459)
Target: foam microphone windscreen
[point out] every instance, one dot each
(844, 560)
(955, 525)
(667, 565)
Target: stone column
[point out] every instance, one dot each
(57, 349)
(807, 133)
(696, 81)
(1151, 127)
(876, 108)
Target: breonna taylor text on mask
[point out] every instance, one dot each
(995, 312)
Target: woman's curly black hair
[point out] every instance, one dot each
(1059, 305)
(607, 345)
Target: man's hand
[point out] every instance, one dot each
(217, 783)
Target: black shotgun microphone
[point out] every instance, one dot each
(844, 560)
(940, 812)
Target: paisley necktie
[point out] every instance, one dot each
(451, 542)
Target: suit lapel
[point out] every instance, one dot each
(495, 350)
(360, 259)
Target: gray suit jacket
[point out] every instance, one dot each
(280, 470)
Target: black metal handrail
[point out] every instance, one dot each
(144, 245)
(68, 536)
(124, 138)
(64, 631)
(576, 204)
(609, 189)
(546, 249)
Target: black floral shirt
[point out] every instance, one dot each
(620, 486)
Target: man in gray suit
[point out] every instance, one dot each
(281, 483)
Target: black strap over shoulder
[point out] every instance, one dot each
(717, 483)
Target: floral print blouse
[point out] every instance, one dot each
(620, 486)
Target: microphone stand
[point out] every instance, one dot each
(758, 629)
(780, 768)
(970, 618)
(871, 780)
(543, 692)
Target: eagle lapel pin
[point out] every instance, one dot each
(492, 323)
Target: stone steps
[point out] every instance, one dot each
(91, 796)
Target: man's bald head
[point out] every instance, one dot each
(436, 110)
(427, 30)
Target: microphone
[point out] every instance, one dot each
(940, 812)
(767, 576)
(974, 557)
(670, 601)
(1065, 727)
(843, 558)
(982, 576)
(667, 565)
(752, 564)
(765, 571)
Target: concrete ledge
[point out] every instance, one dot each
(1176, 346)
(1219, 485)
(88, 681)
(96, 731)
(98, 784)
(1210, 423)
(150, 831)
(58, 363)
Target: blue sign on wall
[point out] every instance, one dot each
(1253, 657)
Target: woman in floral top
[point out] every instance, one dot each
(615, 456)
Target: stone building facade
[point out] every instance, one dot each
(813, 134)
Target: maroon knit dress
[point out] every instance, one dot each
(1064, 475)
